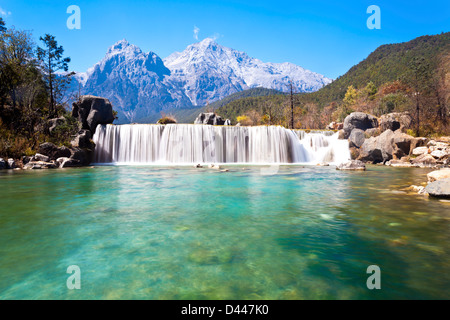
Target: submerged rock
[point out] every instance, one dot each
(418, 189)
(352, 165)
(398, 163)
(439, 188)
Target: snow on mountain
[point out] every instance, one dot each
(134, 82)
(209, 71)
(141, 84)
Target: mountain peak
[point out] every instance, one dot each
(207, 43)
(123, 46)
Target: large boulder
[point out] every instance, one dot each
(359, 120)
(212, 119)
(424, 160)
(3, 164)
(83, 140)
(419, 151)
(439, 188)
(84, 156)
(395, 121)
(356, 138)
(352, 165)
(388, 145)
(402, 144)
(40, 165)
(378, 149)
(92, 111)
(438, 175)
(11, 163)
(53, 152)
(68, 162)
(335, 126)
(41, 157)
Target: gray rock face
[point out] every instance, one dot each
(386, 146)
(40, 165)
(372, 132)
(359, 120)
(378, 149)
(439, 188)
(356, 138)
(83, 140)
(352, 165)
(41, 157)
(11, 164)
(53, 123)
(395, 121)
(91, 111)
(65, 162)
(53, 152)
(212, 119)
(402, 143)
(438, 174)
(84, 156)
(3, 164)
(424, 160)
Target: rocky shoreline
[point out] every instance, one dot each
(89, 111)
(385, 141)
(372, 140)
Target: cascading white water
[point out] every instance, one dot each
(187, 144)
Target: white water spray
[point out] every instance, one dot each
(192, 144)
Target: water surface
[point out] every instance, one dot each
(148, 232)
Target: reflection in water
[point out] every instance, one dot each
(185, 233)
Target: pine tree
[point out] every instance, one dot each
(2, 25)
(51, 58)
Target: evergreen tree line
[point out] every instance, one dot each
(33, 81)
(412, 76)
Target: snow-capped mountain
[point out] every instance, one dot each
(209, 72)
(141, 84)
(134, 81)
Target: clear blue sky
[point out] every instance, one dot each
(327, 37)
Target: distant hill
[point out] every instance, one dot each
(189, 115)
(387, 63)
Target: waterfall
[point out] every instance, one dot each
(192, 144)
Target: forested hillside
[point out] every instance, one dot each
(411, 76)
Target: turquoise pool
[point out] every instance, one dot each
(148, 232)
